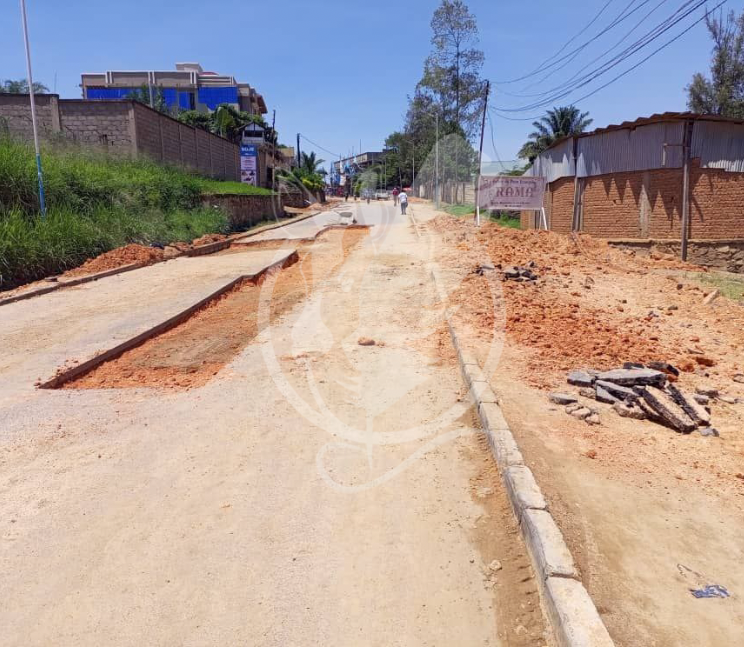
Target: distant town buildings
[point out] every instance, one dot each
(188, 87)
(357, 163)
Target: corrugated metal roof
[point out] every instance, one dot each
(655, 118)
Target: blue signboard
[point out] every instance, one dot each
(249, 164)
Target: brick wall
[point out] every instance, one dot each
(247, 210)
(15, 115)
(647, 205)
(716, 204)
(124, 127)
(101, 124)
(559, 204)
(166, 140)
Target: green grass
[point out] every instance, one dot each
(730, 286)
(212, 187)
(460, 210)
(95, 203)
(503, 218)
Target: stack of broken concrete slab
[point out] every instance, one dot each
(643, 392)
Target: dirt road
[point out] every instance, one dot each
(650, 515)
(314, 492)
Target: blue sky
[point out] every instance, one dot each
(340, 72)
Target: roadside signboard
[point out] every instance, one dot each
(516, 193)
(249, 164)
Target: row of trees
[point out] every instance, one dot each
(9, 86)
(450, 92)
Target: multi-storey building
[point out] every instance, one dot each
(188, 87)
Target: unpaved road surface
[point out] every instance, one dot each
(649, 514)
(313, 492)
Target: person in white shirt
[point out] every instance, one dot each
(403, 199)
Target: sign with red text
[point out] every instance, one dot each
(516, 193)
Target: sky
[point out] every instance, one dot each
(340, 72)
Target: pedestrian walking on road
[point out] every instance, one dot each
(396, 193)
(403, 197)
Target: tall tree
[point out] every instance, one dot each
(21, 87)
(722, 93)
(455, 63)
(556, 124)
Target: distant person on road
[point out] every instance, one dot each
(403, 197)
(396, 193)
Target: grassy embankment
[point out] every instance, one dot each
(95, 203)
(502, 218)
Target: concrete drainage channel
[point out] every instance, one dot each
(66, 376)
(191, 347)
(573, 616)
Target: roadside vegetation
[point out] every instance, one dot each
(729, 285)
(95, 203)
(503, 218)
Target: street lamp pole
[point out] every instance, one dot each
(42, 200)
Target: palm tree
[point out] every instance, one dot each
(310, 164)
(556, 124)
(21, 87)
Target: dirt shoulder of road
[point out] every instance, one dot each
(648, 513)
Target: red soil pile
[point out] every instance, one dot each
(118, 257)
(207, 239)
(593, 306)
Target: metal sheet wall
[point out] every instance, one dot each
(719, 145)
(555, 163)
(640, 149)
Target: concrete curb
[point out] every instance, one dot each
(572, 614)
(309, 239)
(87, 366)
(68, 284)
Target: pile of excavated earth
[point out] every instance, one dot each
(594, 306)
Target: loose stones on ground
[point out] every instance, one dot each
(641, 392)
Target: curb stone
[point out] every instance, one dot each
(573, 614)
(573, 617)
(523, 490)
(553, 555)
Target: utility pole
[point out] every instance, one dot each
(413, 173)
(685, 233)
(480, 156)
(298, 150)
(273, 150)
(39, 173)
(436, 174)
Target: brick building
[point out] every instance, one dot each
(626, 183)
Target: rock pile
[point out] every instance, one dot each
(641, 392)
(519, 273)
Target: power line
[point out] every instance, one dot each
(493, 141)
(590, 63)
(325, 150)
(646, 39)
(560, 92)
(639, 44)
(498, 112)
(546, 64)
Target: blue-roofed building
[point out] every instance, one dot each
(188, 87)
